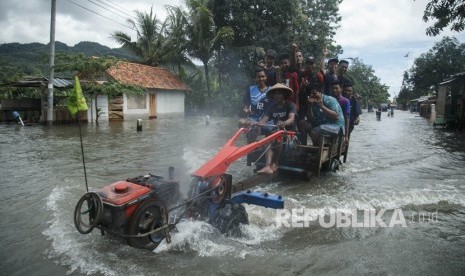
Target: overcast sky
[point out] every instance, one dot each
(380, 32)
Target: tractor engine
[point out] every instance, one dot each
(130, 209)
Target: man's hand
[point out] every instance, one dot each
(318, 100)
(247, 110)
(357, 121)
(281, 124)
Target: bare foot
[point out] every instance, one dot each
(274, 167)
(265, 170)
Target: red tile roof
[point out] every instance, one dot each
(146, 76)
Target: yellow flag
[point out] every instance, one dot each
(76, 101)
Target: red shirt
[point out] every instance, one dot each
(291, 80)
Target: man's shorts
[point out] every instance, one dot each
(328, 129)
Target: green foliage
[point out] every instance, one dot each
(204, 37)
(31, 59)
(367, 84)
(262, 24)
(446, 58)
(114, 88)
(149, 43)
(92, 70)
(195, 100)
(445, 12)
(89, 68)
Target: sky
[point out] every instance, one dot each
(379, 32)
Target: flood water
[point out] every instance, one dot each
(398, 163)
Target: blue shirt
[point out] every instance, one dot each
(319, 118)
(257, 100)
(345, 105)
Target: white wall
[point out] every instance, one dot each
(170, 102)
(166, 101)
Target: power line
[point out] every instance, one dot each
(100, 15)
(106, 9)
(123, 10)
(118, 6)
(113, 9)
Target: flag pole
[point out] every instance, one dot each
(76, 103)
(82, 151)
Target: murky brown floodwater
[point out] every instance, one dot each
(396, 163)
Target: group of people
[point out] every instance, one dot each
(296, 96)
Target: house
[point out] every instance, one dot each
(165, 93)
(421, 105)
(450, 107)
(34, 110)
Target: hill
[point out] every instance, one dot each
(17, 60)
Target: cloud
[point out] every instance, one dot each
(383, 22)
(31, 23)
(381, 32)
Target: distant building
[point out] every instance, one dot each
(165, 92)
(450, 107)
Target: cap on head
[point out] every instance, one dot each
(310, 60)
(279, 87)
(331, 60)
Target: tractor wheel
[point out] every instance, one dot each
(150, 215)
(229, 217)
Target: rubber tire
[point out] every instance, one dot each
(229, 217)
(334, 166)
(146, 210)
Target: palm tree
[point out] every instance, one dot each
(176, 38)
(149, 45)
(204, 37)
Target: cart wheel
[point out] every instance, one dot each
(334, 166)
(148, 216)
(88, 212)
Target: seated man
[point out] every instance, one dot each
(283, 114)
(324, 115)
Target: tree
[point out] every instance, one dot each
(276, 24)
(204, 37)
(367, 84)
(177, 40)
(149, 44)
(446, 58)
(262, 24)
(445, 12)
(406, 91)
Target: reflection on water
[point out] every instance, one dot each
(399, 162)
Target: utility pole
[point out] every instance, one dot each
(50, 118)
